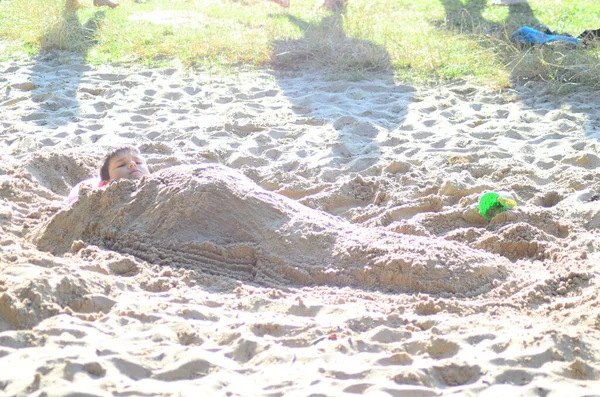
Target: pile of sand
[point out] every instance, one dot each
(214, 220)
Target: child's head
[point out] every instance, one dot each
(123, 162)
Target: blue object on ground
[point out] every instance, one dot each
(527, 35)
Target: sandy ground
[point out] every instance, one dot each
(300, 236)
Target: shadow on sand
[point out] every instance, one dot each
(57, 86)
(344, 84)
(468, 18)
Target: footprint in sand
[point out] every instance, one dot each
(172, 96)
(110, 76)
(192, 91)
(101, 107)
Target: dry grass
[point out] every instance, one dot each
(67, 33)
(425, 41)
(327, 45)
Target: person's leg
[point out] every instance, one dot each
(507, 2)
(73, 5)
(108, 3)
(334, 5)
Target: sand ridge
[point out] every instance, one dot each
(271, 252)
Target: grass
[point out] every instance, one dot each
(425, 41)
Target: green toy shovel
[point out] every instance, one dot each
(493, 203)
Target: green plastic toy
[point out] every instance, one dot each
(493, 203)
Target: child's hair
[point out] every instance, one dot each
(104, 174)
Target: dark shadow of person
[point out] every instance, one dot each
(541, 93)
(58, 69)
(326, 47)
(469, 17)
(345, 88)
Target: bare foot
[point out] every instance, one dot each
(108, 3)
(283, 3)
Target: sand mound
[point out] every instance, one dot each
(212, 218)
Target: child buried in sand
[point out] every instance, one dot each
(125, 162)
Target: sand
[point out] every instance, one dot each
(299, 236)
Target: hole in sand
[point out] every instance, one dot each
(550, 199)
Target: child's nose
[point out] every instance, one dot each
(132, 164)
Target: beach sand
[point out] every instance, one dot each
(300, 236)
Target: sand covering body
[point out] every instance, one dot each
(213, 218)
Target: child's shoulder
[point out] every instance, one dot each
(90, 182)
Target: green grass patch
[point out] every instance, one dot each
(424, 41)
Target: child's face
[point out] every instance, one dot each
(127, 165)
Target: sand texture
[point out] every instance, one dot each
(299, 236)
